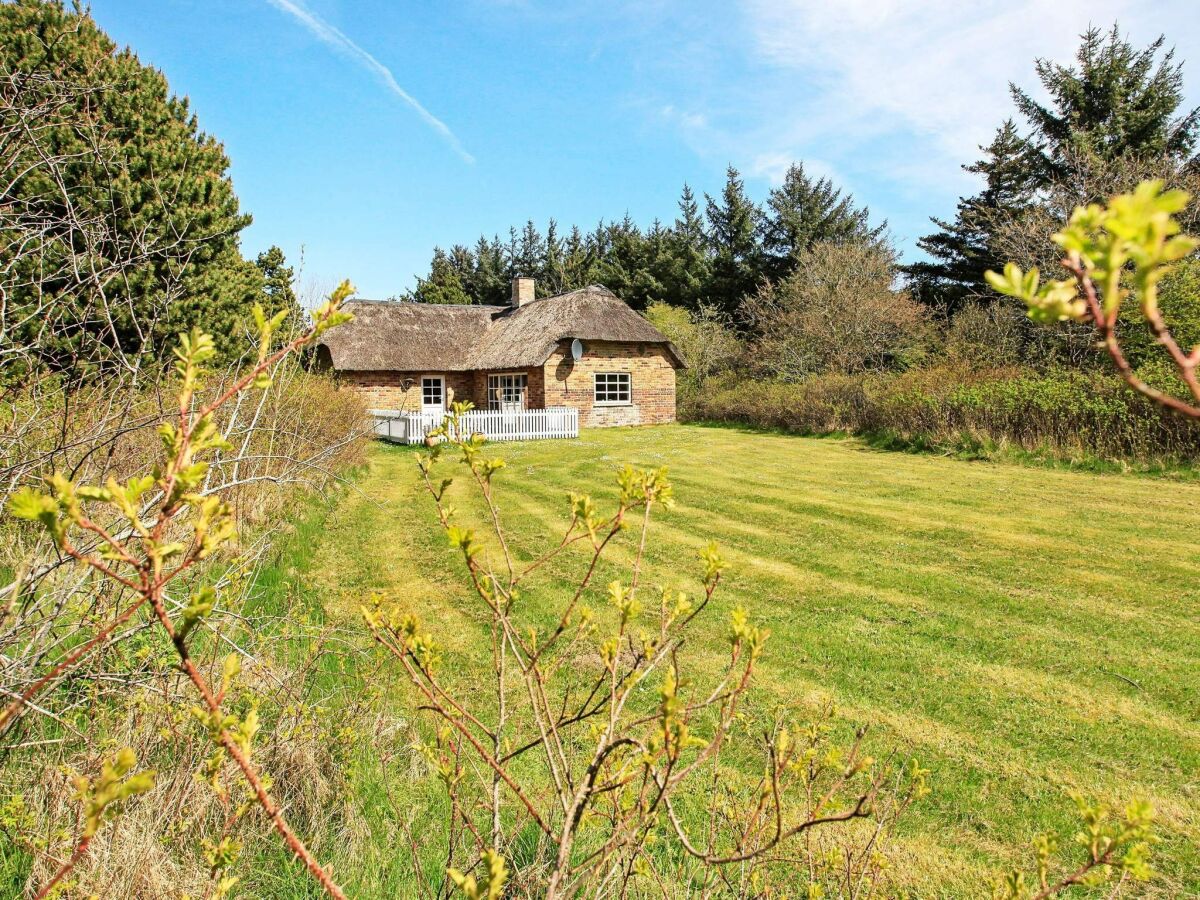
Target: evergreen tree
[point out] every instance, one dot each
(167, 252)
(489, 282)
(685, 281)
(278, 279)
(1119, 101)
(444, 284)
(803, 211)
(733, 227)
(551, 275)
(530, 256)
(579, 261)
(1117, 104)
(962, 250)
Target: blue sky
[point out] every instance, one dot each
(364, 132)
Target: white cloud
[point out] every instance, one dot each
(337, 39)
(934, 71)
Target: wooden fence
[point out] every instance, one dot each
(518, 425)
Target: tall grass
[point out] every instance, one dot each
(1066, 414)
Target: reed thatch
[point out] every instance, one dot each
(420, 337)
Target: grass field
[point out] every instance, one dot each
(1026, 632)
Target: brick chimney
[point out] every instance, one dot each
(523, 291)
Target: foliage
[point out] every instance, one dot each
(147, 532)
(804, 212)
(592, 732)
(1134, 234)
(837, 313)
(711, 257)
(279, 295)
(1112, 120)
(1063, 414)
(704, 337)
(120, 226)
(1120, 846)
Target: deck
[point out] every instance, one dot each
(402, 427)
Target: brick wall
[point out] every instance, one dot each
(560, 382)
(652, 377)
(402, 390)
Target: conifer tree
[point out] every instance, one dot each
(962, 250)
(1116, 103)
(803, 211)
(278, 279)
(685, 281)
(444, 284)
(164, 219)
(733, 228)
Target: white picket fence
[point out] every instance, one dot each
(517, 425)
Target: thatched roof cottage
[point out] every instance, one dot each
(585, 349)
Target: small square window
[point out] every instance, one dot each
(431, 393)
(613, 389)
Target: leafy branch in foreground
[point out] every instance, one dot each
(594, 740)
(1137, 235)
(166, 525)
(1113, 845)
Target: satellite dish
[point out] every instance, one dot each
(576, 349)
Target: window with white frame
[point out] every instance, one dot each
(432, 393)
(613, 389)
(506, 391)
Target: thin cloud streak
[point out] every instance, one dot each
(337, 39)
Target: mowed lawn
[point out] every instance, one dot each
(1027, 633)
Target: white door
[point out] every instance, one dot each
(433, 395)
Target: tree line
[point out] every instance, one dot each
(1112, 118)
(714, 253)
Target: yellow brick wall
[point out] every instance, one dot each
(402, 390)
(560, 382)
(652, 378)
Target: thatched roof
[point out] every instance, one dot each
(414, 337)
(407, 337)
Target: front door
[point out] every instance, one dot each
(433, 394)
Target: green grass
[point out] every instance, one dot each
(1026, 632)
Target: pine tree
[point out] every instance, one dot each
(168, 250)
(1117, 104)
(962, 250)
(1118, 101)
(489, 283)
(685, 281)
(551, 274)
(530, 253)
(579, 261)
(801, 213)
(278, 279)
(444, 284)
(733, 228)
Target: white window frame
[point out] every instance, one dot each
(433, 386)
(509, 383)
(612, 389)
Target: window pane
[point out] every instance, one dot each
(506, 389)
(612, 387)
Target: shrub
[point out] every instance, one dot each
(837, 313)
(1066, 413)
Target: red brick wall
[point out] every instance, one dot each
(652, 378)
